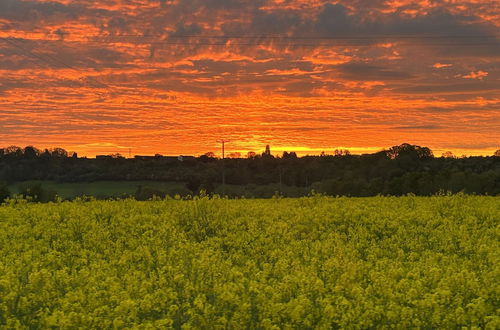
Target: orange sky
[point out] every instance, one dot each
(174, 76)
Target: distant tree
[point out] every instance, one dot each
(289, 155)
(497, 153)
(209, 154)
(251, 154)
(234, 155)
(45, 153)
(59, 153)
(116, 156)
(208, 157)
(448, 154)
(31, 152)
(341, 152)
(13, 151)
(409, 150)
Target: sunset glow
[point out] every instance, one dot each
(175, 76)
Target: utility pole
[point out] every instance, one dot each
(223, 142)
(281, 174)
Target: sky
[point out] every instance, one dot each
(176, 76)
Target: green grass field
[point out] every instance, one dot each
(120, 189)
(317, 262)
(101, 189)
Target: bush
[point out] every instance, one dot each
(148, 193)
(37, 193)
(4, 192)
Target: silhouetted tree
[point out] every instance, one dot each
(289, 155)
(409, 150)
(13, 151)
(59, 153)
(234, 155)
(208, 157)
(118, 156)
(46, 154)
(448, 154)
(209, 154)
(341, 152)
(31, 152)
(251, 154)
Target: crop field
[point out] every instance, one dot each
(315, 262)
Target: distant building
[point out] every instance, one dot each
(268, 150)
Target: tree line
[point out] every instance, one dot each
(396, 171)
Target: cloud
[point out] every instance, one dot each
(12, 84)
(480, 75)
(418, 127)
(362, 71)
(117, 25)
(34, 10)
(334, 20)
(337, 21)
(445, 88)
(441, 65)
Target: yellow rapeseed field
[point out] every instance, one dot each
(316, 262)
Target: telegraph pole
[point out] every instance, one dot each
(281, 174)
(223, 142)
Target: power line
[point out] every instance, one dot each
(257, 39)
(41, 57)
(273, 36)
(223, 142)
(226, 44)
(280, 40)
(251, 40)
(24, 51)
(261, 43)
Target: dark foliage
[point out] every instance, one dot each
(37, 193)
(399, 170)
(147, 193)
(4, 192)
